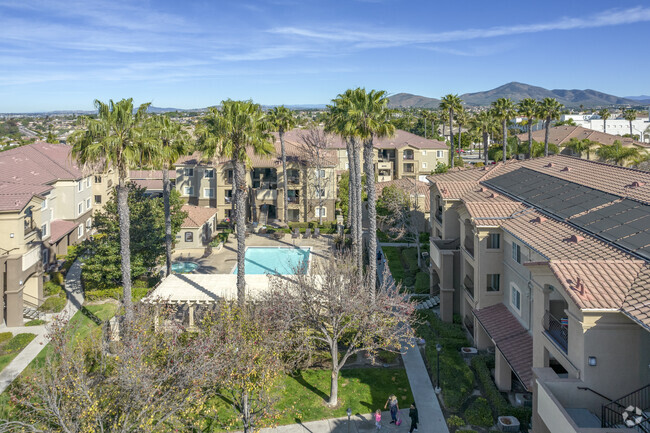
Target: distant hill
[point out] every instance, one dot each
(408, 100)
(641, 99)
(517, 92)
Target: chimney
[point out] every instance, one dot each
(580, 286)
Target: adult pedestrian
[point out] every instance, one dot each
(394, 408)
(413, 414)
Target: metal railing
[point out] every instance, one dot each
(469, 245)
(408, 168)
(439, 216)
(469, 324)
(613, 412)
(295, 200)
(557, 330)
(408, 157)
(468, 283)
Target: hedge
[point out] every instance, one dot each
(53, 304)
(51, 288)
(479, 413)
(137, 293)
(422, 282)
(18, 343)
(58, 278)
(35, 322)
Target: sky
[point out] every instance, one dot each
(62, 55)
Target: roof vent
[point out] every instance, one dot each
(566, 169)
(576, 239)
(494, 195)
(580, 286)
(482, 189)
(550, 164)
(444, 190)
(539, 219)
(636, 184)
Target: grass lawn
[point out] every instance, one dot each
(11, 349)
(304, 396)
(393, 257)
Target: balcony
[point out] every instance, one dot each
(293, 180)
(409, 168)
(266, 194)
(438, 246)
(469, 285)
(293, 200)
(408, 156)
(469, 245)
(557, 330)
(29, 226)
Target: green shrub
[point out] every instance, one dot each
(140, 284)
(5, 336)
(387, 357)
(51, 288)
(35, 322)
(410, 256)
(455, 421)
(53, 304)
(394, 263)
(73, 252)
(18, 343)
(479, 413)
(138, 293)
(58, 278)
(424, 238)
(101, 294)
(408, 281)
(422, 282)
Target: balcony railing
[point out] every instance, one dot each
(293, 180)
(295, 200)
(469, 285)
(469, 245)
(439, 216)
(409, 156)
(29, 226)
(408, 168)
(557, 330)
(469, 324)
(612, 413)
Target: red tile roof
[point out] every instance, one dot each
(560, 135)
(637, 302)
(60, 228)
(197, 216)
(511, 338)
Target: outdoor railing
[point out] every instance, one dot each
(557, 330)
(613, 412)
(469, 245)
(469, 285)
(295, 200)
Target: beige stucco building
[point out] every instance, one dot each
(547, 262)
(198, 228)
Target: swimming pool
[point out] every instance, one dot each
(275, 260)
(184, 267)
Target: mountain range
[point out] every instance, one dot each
(517, 92)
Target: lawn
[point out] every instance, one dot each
(11, 349)
(303, 397)
(403, 265)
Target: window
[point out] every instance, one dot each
(347, 165)
(88, 182)
(46, 256)
(80, 185)
(87, 203)
(494, 241)
(189, 237)
(493, 282)
(424, 153)
(515, 297)
(44, 230)
(188, 172)
(228, 197)
(98, 179)
(80, 230)
(208, 173)
(424, 165)
(320, 174)
(321, 192)
(98, 199)
(188, 190)
(89, 223)
(439, 154)
(44, 204)
(320, 212)
(80, 208)
(208, 192)
(516, 252)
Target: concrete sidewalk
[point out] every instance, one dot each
(359, 423)
(27, 355)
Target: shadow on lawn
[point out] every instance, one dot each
(298, 377)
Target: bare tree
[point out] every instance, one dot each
(331, 309)
(313, 147)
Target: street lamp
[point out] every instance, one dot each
(349, 414)
(438, 349)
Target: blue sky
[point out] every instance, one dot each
(189, 54)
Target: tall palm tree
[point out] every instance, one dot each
(451, 103)
(527, 108)
(618, 154)
(239, 126)
(443, 116)
(171, 142)
(283, 120)
(604, 114)
(549, 109)
(485, 124)
(116, 139)
(504, 110)
(630, 116)
(461, 119)
(581, 146)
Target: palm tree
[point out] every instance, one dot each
(461, 119)
(618, 154)
(604, 114)
(484, 123)
(527, 108)
(580, 146)
(171, 142)
(283, 120)
(239, 126)
(115, 139)
(443, 116)
(549, 110)
(504, 110)
(451, 103)
(630, 116)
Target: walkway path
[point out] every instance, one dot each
(27, 355)
(359, 423)
(398, 244)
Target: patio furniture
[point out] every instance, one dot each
(316, 233)
(307, 233)
(262, 231)
(296, 233)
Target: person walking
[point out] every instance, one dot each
(413, 414)
(378, 419)
(394, 408)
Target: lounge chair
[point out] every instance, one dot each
(262, 231)
(316, 233)
(296, 233)
(307, 233)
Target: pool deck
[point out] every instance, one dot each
(224, 260)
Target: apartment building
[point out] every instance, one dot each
(548, 262)
(45, 205)
(152, 180)
(615, 126)
(400, 156)
(210, 184)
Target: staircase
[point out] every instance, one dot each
(630, 411)
(32, 313)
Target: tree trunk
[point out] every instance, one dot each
(631, 130)
(548, 124)
(125, 244)
(233, 199)
(246, 416)
(240, 212)
(604, 125)
(359, 208)
(334, 389)
(530, 139)
(460, 137)
(168, 219)
(485, 146)
(505, 138)
(351, 177)
(451, 134)
(284, 177)
(372, 216)
(320, 194)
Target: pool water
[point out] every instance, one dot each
(184, 267)
(269, 260)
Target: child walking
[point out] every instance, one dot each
(413, 414)
(378, 419)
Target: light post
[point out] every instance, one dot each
(349, 414)
(438, 350)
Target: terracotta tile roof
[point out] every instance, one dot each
(150, 174)
(15, 196)
(511, 338)
(560, 135)
(408, 185)
(150, 184)
(637, 303)
(491, 214)
(197, 216)
(60, 228)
